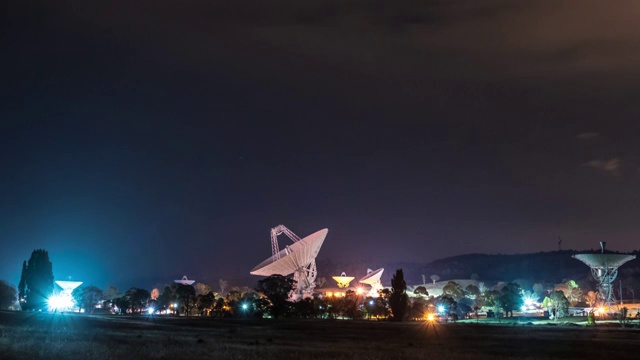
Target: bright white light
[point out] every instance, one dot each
(60, 302)
(528, 301)
(523, 307)
(370, 302)
(175, 305)
(359, 291)
(151, 310)
(440, 309)
(244, 306)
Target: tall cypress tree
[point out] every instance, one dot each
(398, 300)
(37, 281)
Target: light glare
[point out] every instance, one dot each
(60, 302)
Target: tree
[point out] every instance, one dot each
(482, 287)
(380, 307)
(305, 308)
(511, 298)
(538, 289)
(472, 291)
(186, 296)
(155, 293)
(447, 303)
(351, 304)
(434, 278)
(202, 289)
(576, 295)
(137, 298)
(454, 290)
(205, 302)
(122, 303)
(219, 307)
(417, 308)
(87, 297)
(276, 288)
(493, 299)
(223, 286)
(166, 299)
(560, 302)
(111, 292)
(8, 295)
(421, 290)
(36, 283)
(623, 316)
(398, 299)
(591, 298)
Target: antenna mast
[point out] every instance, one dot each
(279, 230)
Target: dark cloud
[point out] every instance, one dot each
(169, 137)
(610, 166)
(588, 136)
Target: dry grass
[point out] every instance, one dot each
(70, 336)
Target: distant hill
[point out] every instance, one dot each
(550, 267)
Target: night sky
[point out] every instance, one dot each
(142, 142)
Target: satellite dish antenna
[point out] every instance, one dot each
(184, 281)
(298, 259)
(343, 280)
(68, 286)
(373, 278)
(604, 268)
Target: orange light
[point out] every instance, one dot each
(601, 310)
(329, 294)
(359, 290)
(430, 317)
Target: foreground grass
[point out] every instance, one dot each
(70, 336)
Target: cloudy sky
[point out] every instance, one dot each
(141, 142)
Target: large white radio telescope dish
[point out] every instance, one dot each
(298, 258)
(604, 268)
(373, 278)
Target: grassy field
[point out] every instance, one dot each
(72, 336)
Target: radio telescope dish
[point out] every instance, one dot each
(373, 278)
(604, 268)
(343, 280)
(298, 259)
(184, 281)
(68, 286)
